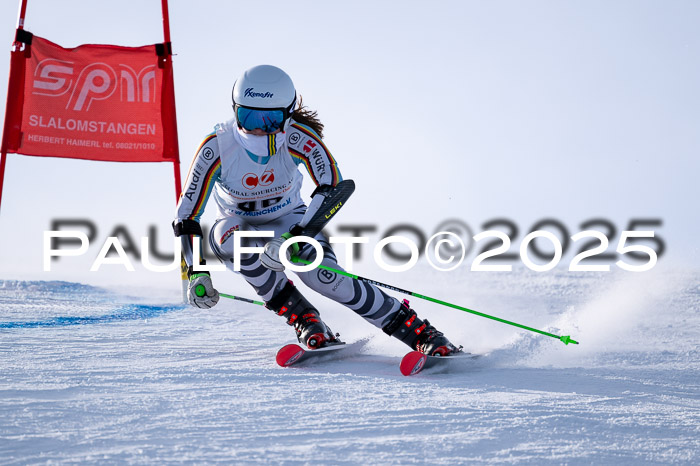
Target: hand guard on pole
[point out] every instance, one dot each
(270, 258)
(201, 293)
(333, 199)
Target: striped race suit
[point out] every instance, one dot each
(255, 192)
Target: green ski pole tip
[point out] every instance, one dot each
(567, 339)
(200, 290)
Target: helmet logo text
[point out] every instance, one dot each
(250, 92)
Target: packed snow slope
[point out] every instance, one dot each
(93, 375)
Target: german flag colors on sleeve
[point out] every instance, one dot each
(203, 173)
(307, 148)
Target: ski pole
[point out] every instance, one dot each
(201, 291)
(245, 300)
(566, 339)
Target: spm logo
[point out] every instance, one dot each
(96, 81)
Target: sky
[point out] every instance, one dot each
(475, 111)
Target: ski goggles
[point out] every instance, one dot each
(266, 119)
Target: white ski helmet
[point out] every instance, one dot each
(263, 87)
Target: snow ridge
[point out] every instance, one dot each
(44, 304)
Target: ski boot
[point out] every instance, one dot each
(418, 334)
(300, 313)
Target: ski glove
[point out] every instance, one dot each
(270, 258)
(201, 292)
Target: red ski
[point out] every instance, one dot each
(415, 361)
(294, 353)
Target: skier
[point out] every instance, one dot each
(249, 165)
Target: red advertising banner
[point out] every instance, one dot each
(95, 102)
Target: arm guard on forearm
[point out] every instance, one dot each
(186, 230)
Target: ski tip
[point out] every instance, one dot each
(412, 363)
(289, 354)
